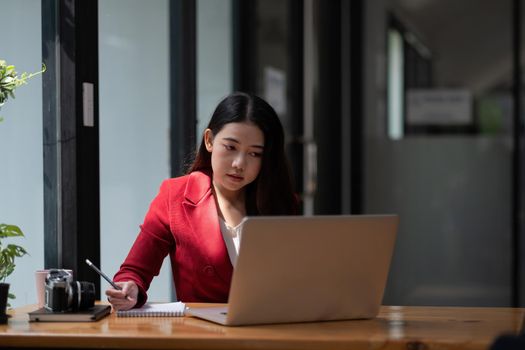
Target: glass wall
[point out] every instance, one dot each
(21, 160)
(134, 111)
(275, 73)
(272, 42)
(440, 155)
(134, 125)
(214, 58)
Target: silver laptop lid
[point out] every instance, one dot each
(298, 269)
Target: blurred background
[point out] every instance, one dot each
(412, 107)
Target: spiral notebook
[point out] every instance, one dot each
(155, 310)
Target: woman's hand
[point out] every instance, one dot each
(123, 299)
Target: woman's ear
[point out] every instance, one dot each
(208, 139)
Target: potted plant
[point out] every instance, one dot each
(8, 253)
(9, 81)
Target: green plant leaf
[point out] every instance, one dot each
(10, 80)
(10, 231)
(9, 252)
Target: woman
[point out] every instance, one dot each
(240, 170)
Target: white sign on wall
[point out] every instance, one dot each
(439, 107)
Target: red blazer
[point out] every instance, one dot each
(183, 222)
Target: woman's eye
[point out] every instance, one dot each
(255, 154)
(229, 147)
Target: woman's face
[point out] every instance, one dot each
(236, 155)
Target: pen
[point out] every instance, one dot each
(102, 274)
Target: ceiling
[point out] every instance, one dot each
(470, 41)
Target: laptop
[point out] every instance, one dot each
(308, 268)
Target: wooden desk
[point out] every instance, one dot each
(408, 328)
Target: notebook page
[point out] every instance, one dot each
(175, 309)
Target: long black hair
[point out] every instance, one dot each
(271, 193)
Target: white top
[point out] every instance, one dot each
(232, 238)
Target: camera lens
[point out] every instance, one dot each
(64, 294)
(83, 295)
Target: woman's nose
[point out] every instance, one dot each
(239, 162)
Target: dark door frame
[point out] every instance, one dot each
(70, 145)
(183, 83)
(518, 163)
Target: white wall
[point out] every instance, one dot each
(134, 125)
(21, 161)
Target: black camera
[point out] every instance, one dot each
(65, 294)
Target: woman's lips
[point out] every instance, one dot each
(236, 178)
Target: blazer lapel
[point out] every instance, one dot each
(201, 213)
